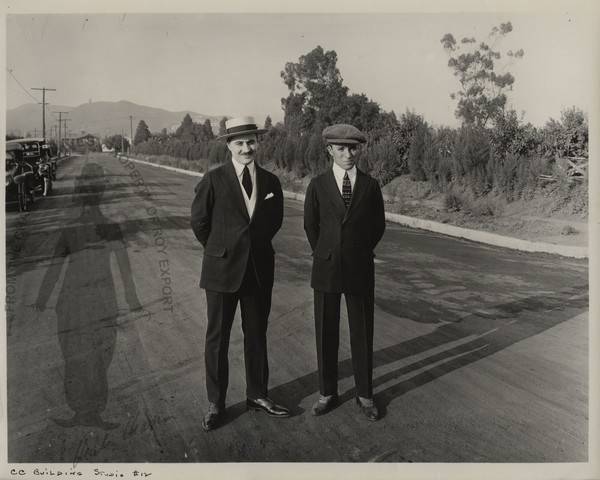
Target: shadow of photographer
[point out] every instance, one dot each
(87, 308)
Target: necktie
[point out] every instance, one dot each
(346, 190)
(247, 181)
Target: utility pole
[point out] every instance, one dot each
(65, 120)
(34, 132)
(60, 119)
(43, 89)
(131, 130)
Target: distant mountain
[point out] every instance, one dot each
(99, 118)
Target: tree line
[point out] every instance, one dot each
(492, 150)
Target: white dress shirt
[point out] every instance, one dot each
(339, 172)
(239, 170)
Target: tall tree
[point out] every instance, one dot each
(115, 141)
(294, 117)
(361, 112)
(142, 133)
(317, 84)
(208, 131)
(268, 123)
(222, 129)
(482, 95)
(186, 127)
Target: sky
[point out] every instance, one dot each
(230, 64)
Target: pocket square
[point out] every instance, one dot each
(269, 195)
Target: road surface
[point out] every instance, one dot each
(480, 354)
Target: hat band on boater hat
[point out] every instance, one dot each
(241, 126)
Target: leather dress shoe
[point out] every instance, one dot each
(369, 409)
(212, 418)
(268, 406)
(324, 404)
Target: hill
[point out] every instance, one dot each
(99, 118)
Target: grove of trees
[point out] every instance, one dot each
(492, 150)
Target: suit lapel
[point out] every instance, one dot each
(234, 186)
(334, 193)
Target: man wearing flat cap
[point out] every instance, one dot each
(344, 219)
(237, 210)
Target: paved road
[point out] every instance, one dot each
(480, 353)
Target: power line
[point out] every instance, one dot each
(20, 85)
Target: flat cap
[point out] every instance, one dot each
(342, 133)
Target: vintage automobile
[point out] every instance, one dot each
(49, 153)
(20, 178)
(37, 153)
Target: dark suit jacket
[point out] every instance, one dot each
(343, 240)
(221, 223)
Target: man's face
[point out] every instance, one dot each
(343, 155)
(243, 148)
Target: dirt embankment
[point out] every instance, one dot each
(547, 216)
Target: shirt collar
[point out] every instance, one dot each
(339, 171)
(239, 168)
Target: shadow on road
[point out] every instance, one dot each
(482, 334)
(87, 308)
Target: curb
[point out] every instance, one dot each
(487, 237)
(166, 167)
(445, 229)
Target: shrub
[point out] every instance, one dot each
(442, 181)
(529, 171)
(453, 201)
(471, 157)
(568, 230)
(381, 160)
(431, 157)
(487, 206)
(416, 153)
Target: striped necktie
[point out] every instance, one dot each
(346, 190)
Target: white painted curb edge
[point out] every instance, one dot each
(450, 230)
(487, 237)
(166, 167)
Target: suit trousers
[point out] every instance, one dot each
(255, 304)
(327, 326)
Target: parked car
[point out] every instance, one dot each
(20, 177)
(37, 153)
(49, 154)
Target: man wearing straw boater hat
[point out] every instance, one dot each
(237, 210)
(344, 219)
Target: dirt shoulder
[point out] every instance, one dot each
(542, 218)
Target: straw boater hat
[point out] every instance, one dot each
(240, 126)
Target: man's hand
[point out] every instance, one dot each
(142, 313)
